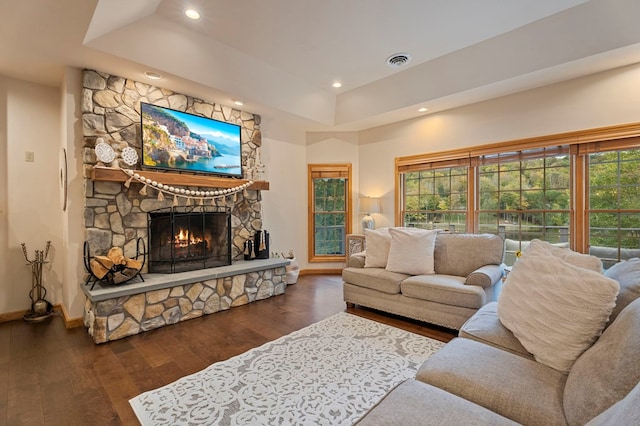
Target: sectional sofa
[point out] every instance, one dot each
(497, 375)
(437, 277)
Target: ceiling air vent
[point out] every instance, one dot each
(399, 59)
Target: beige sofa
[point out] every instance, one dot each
(467, 275)
(486, 377)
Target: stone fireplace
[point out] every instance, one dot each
(116, 213)
(187, 239)
(210, 275)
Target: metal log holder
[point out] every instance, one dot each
(108, 279)
(41, 309)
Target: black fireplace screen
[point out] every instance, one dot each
(189, 238)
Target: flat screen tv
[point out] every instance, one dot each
(178, 141)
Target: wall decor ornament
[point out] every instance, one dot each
(104, 151)
(129, 156)
(63, 179)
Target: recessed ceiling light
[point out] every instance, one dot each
(153, 75)
(423, 109)
(337, 84)
(238, 102)
(192, 14)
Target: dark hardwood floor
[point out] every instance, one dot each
(53, 376)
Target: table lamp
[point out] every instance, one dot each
(368, 206)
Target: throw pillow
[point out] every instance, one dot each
(586, 261)
(377, 247)
(411, 251)
(556, 310)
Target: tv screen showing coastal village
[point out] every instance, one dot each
(176, 140)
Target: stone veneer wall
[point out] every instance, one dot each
(120, 317)
(114, 215)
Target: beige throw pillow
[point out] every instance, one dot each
(586, 261)
(411, 251)
(377, 247)
(556, 310)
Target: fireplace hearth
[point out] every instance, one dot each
(189, 238)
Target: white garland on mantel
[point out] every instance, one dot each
(184, 193)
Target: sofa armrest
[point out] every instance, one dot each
(356, 260)
(485, 276)
(485, 327)
(355, 244)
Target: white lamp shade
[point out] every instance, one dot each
(369, 205)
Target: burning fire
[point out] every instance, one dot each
(184, 239)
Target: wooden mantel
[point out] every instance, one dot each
(177, 179)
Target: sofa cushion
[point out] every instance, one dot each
(606, 372)
(485, 327)
(461, 254)
(411, 251)
(374, 278)
(515, 387)
(539, 247)
(377, 247)
(446, 289)
(623, 412)
(627, 273)
(556, 310)
(416, 403)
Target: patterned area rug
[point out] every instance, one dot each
(329, 373)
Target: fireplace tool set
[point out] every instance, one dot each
(41, 309)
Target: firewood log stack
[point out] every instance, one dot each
(115, 268)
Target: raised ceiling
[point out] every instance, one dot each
(281, 56)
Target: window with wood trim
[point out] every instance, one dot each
(436, 198)
(577, 189)
(329, 189)
(525, 195)
(614, 204)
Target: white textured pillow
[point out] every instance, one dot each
(555, 309)
(587, 261)
(411, 251)
(377, 247)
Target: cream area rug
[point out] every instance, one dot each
(329, 373)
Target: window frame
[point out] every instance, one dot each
(579, 143)
(450, 211)
(321, 171)
(618, 210)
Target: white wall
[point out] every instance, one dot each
(285, 204)
(599, 100)
(335, 148)
(284, 207)
(30, 201)
(72, 219)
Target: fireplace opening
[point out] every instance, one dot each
(189, 238)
